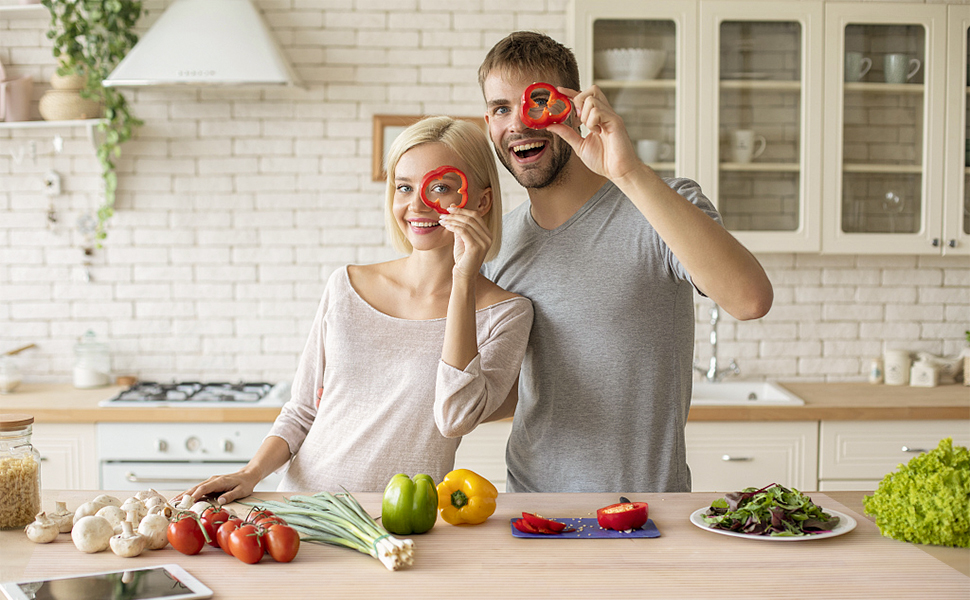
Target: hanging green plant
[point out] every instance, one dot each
(90, 38)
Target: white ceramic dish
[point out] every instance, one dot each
(846, 524)
(629, 63)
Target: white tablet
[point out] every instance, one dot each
(168, 582)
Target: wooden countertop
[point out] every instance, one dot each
(486, 561)
(62, 403)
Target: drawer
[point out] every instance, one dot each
(868, 450)
(725, 457)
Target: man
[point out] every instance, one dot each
(610, 254)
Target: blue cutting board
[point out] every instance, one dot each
(589, 529)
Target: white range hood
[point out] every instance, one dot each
(205, 42)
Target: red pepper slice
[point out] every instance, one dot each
(540, 523)
(546, 117)
(623, 516)
(439, 173)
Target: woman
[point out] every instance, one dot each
(407, 355)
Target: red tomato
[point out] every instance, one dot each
(258, 513)
(246, 544)
(267, 522)
(185, 535)
(212, 518)
(282, 542)
(222, 535)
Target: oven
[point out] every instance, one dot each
(177, 455)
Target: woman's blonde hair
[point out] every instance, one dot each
(468, 141)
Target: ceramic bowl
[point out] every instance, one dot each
(629, 63)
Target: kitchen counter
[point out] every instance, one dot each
(62, 403)
(486, 561)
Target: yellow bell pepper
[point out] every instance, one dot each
(466, 497)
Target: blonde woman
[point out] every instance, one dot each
(409, 354)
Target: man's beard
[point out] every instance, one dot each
(538, 178)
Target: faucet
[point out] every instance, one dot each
(712, 374)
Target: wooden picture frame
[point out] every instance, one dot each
(386, 130)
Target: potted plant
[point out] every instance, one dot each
(90, 38)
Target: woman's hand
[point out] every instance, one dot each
(235, 485)
(606, 149)
(472, 241)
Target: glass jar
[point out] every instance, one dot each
(92, 364)
(19, 472)
(9, 375)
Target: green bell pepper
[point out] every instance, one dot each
(409, 506)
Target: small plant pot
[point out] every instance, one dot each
(68, 82)
(67, 105)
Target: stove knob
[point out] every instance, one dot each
(226, 445)
(193, 444)
(161, 445)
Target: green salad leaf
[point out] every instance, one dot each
(773, 510)
(927, 500)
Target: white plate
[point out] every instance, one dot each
(846, 524)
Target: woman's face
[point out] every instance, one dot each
(418, 221)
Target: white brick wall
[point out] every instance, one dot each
(234, 206)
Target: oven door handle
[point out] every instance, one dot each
(131, 477)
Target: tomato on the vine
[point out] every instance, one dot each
(246, 544)
(267, 522)
(225, 530)
(282, 542)
(186, 535)
(258, 513)
(212, 518)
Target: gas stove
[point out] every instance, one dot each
(191, 393)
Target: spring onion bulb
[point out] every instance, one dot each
(339, 520)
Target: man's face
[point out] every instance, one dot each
(534, 157)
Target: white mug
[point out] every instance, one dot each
(651, 151)
(897, 364)
(743, 145)
(15, 96)
(900, 68)
(856, 66)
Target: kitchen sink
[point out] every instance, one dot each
(742, 393)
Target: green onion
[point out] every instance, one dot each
(339, 520)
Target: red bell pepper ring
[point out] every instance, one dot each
(545, 525)
(439, 173)
(546, 117)
(623, 516)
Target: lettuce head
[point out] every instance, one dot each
(927, 500)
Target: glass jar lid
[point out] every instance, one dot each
(14, 421)
(89, 344)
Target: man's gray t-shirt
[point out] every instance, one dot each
(606, 381)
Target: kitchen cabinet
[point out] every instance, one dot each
(68, 454)
(858, 454)
(729, 456)
(884, 146)
(483, 451)
(849, 164)
(763, 83)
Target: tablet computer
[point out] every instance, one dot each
(162, 582)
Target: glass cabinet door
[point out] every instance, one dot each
(760, 121)
(956, 211)
(884, 144)
(642, 58)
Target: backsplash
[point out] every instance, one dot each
(235, 204)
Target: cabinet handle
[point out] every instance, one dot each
(131, 477)
(936, 242)
(913, 450)
(729, 458)
(952, 243)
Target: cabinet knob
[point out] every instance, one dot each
(913, 450)
(936, 242)
(729, 458)
(952, 243)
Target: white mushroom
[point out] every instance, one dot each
(106, 500)
(114, 515)
(128, 543)
(63, 517)
(92, 534)
(87, 509)
(135, 509)
(146, 495)
(43, 530)
(155, 528)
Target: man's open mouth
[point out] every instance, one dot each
(528, 150)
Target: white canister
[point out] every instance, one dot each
(897, 364)
(92, 366)
(923, 374)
